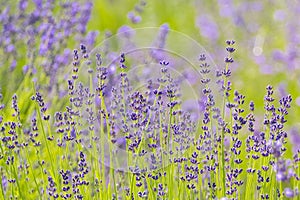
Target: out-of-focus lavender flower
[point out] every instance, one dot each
(10, 48)
(121, 143)
(134, 15)
(288, 192)
(164, 30)
(23, 4)
(224, 198)
(278, 55)
(84, 17)
(282, 89)
(265, 68)
(208, 28)
(279, 15)
(295, 138)
(91, 38)
(21, 29)
(226, 8)
(4, 183)
(192, 106)
(227, 142)
(38, 3)
(158, 54)
(134, 18)
(13, 65)
(25, 69)
(126, 31)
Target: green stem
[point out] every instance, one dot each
(17, 180)
(2, 189)
(34, 178)
(45, 139)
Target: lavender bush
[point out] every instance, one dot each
(146, 114)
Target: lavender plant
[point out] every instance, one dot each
(126, 130)
(35, 39)
(153, 129)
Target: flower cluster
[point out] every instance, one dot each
(102, 135)
(43, 34)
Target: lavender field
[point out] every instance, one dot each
(149, 99)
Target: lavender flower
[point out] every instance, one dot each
(122, 129)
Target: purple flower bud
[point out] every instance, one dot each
(288, 192)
